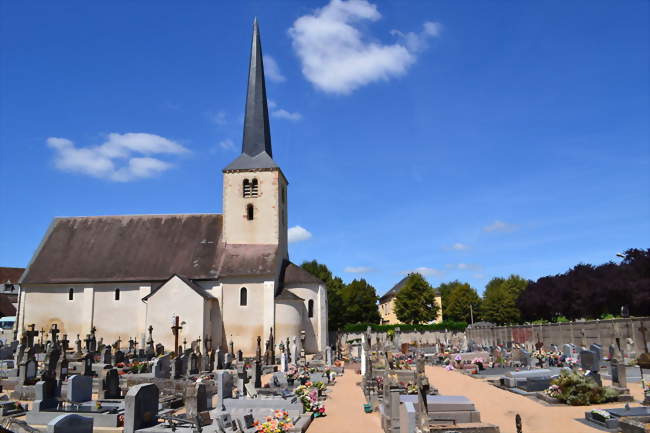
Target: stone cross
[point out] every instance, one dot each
(272, 340)
(54, 332)
(31, 334)
(258, 351)
(232, 346)
(65, 343)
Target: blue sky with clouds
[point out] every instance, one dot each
(465, 142)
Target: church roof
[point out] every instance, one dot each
(256, 143)
(143, 248)
(292, 274)
(288, 296)
(6, 306)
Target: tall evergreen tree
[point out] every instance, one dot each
(335, 306)
(415, 302)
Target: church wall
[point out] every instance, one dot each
(243, 324)
(175, 298)
(92, 304)
(288, 319)
(316, 326)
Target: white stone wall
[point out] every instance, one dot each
(92, 304)
(316, 326)
(289, 319)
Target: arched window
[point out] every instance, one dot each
(310, 308)
(250, 212)
(254, 188)
(117, 294)
(71, 295)
(243, 296)
(246, 187)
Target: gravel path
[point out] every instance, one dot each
(344, 408)
(499, 407)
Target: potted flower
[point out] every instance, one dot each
(278, 423)
(292, 372)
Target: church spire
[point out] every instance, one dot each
(257, 133)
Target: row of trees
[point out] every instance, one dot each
(585, 291)
(355, 302)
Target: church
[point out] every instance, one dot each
(227, 277)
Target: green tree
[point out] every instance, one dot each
(458, 305)
(415, 302)
(335, 306)
(500, 300)
(360, 300)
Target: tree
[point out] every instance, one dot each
(360, 300)
(334, 285)
(415, 302)
(589, 292)
(458, 305)
(500, 297)
(445, 290)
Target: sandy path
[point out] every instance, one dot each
(344, 408)
(500, 407)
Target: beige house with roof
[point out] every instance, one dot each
(226, 276)
(387, 305)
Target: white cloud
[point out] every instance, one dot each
(281, 113)
(298, 234)
(417, 42)
(479, 276)
(459, 246)
(227, 144)
(358, 269)
(272, 70)
(284, 114)
(427, 272)
(336, 57)
(500, 226)
(121, 158)
(464, 266)
(219, 118)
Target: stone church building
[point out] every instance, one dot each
(226, 276)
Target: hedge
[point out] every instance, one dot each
(450, 326)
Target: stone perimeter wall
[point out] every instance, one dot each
(603, 332)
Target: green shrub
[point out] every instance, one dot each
(578, 390)
(448, 325)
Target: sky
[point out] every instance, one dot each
(460, 140)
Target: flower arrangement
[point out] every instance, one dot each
(320, 386)
(570, 362)
(449, 367)
(411, 388)
(458, 358)
(576, 389)
(553, 391)
(477, 361)
(279, 422)
(308, 395)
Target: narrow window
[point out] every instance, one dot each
(70, 294)
(243, 296)
(117, 294)
(250, 212)
(246, 188)
(310, 308)
(254, 188)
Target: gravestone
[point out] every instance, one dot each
(567, 350)
(224, 382)
(196, 399)
(328, 355)
(218, 359)
(598, 350)
(227, 360)
(141, 407)
(27, 372)
(45, 395)
(112, 385)
(80, 388)
(177, 368)
(588, 360)
(618, 373)
(119, 357)
(70, 423)
(161, 367)
(107, 356)
(250, 390)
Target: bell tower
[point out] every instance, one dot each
(254, 187)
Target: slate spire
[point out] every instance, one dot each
(257, 133)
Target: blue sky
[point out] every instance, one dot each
(467, 142)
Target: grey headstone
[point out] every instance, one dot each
(196, 399)
(80, 388)
(70, 423)
(588, 360)
(224, 382)
(141, 407)
(161, 367)
(279, 379)
(112, 384)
